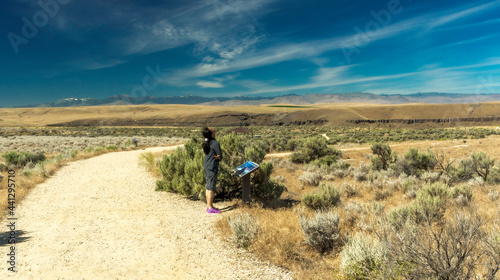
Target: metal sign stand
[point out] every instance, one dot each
(244, 172)
(246, 188)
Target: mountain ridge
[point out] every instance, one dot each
(292, 99)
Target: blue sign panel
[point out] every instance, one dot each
(246, 168)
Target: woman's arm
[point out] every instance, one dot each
(217, 150)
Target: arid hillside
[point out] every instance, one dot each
(417, 115)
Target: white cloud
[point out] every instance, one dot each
(210, 84)
(462, 14)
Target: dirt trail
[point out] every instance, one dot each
(100, 218)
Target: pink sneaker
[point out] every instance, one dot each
(213, 211)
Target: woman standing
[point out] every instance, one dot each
(213, 155)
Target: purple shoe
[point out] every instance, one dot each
(213, 211)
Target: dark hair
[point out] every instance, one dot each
(207, 133)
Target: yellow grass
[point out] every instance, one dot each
(334, 114)
(281, 240)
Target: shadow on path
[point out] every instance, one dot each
(18, 236)
(228, 208)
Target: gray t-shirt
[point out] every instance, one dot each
(210, 163)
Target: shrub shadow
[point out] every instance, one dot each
(20, 236)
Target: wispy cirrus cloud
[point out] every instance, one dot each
(316, 48)
(206, 84)
(448, 17)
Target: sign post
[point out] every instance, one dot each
(244, 171)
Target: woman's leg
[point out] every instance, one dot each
(210, 199)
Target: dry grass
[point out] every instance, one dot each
(150, 161)
(281, 240)
(335, 114)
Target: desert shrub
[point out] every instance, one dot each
(311, 178)
(342, 165)
(414, 163)
(182, 171)
(341, 173)
(361, 173)
(464, 171)
(493, 195)
(398, 216)
(477, 164)
(349, 189)
(22, 159)
(263, 187)
(452, 249)
(383, 156)
(409, 184)
(436, 190)
(376, 207)
(314, 148)
(326, 197)
(494, 176)
(245, 229)
(430, 177)
(464, 191)
(111, 148)
(280, 179)
(430, 205)
(491, 247)
(482, 164)
(64, 155)
(476, 181)
(355, 207)
(321, 232)
(381, 194)
(3, 167)
(255, 152)
(362, 257)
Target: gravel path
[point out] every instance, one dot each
(100, 218)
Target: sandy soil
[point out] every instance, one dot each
(100, 218)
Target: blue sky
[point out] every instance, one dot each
(54, 49)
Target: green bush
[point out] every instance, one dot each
(477, 164)
(415, 162)
(314, 148)
(398, 216)
(111, 148)
(182, 172)
(321, 232)
(263, 187)
(326, 197)
(384, 156)
(436, 189)
(464, 191)
(482, 164)
(22, 159)
(429, 206)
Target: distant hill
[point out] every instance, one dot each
(308, 99)
(416, 115)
